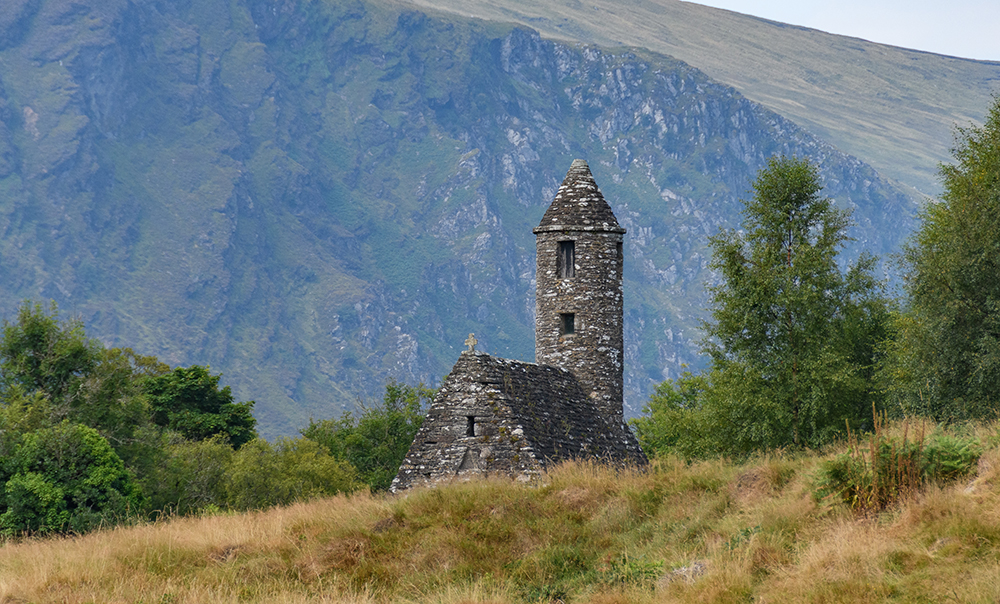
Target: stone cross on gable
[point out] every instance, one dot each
(471, 342)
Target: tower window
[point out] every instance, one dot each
(470, 425)
(567, 259)
(567, 324)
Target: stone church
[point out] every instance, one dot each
(496, 416)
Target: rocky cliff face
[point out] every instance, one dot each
(315, 197)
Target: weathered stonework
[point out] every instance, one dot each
(523, 418)
(593, 294)
(501, 417)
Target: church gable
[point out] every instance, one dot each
(495, 416)
(470, 428)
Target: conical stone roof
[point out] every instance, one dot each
(579, 205)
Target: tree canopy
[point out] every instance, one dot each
(947, 361)
(189, 400)
(793, 339)
(65, 477)
(40, 353)
(90, 435)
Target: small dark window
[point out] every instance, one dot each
(567, 259)
(620, 252)
(567, 324)
(470, 425)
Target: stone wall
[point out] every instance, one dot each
(502, 417)
(524, 417)
(593, 294)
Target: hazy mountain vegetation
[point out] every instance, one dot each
(313, 197)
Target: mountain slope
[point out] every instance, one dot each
(894, 108)
(313, 196)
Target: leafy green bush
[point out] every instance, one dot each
(948, 458)
(190, 477)
(209, 474)
(376, 442)
(262, 475)
(64, 478)
(670, 419)
(873, 477)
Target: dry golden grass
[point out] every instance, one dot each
(711, 531)
(218, 558)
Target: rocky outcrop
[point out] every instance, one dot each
(315, 197)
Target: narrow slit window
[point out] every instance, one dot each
(621, 253)
(567, 259)
(567, 324)
(470, 425)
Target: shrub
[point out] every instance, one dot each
(210, 475)
(376, 442)
(669, 421)
(190, 477)
(873, 477)
(262, 475)
(64, 478)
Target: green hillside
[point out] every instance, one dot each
(894, 108)
(313, 197)
(711, 531)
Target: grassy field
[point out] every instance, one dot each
(711, 531)
(891, 107)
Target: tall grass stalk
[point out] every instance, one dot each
(891, 469)
(881, 470)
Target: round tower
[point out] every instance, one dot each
(578, 295)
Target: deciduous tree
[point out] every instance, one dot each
(50, 371)
(41, 354)
(947, 361)
(66, 477)
(793, 338)
(189, 400)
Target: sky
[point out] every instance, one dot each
(961, 28)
